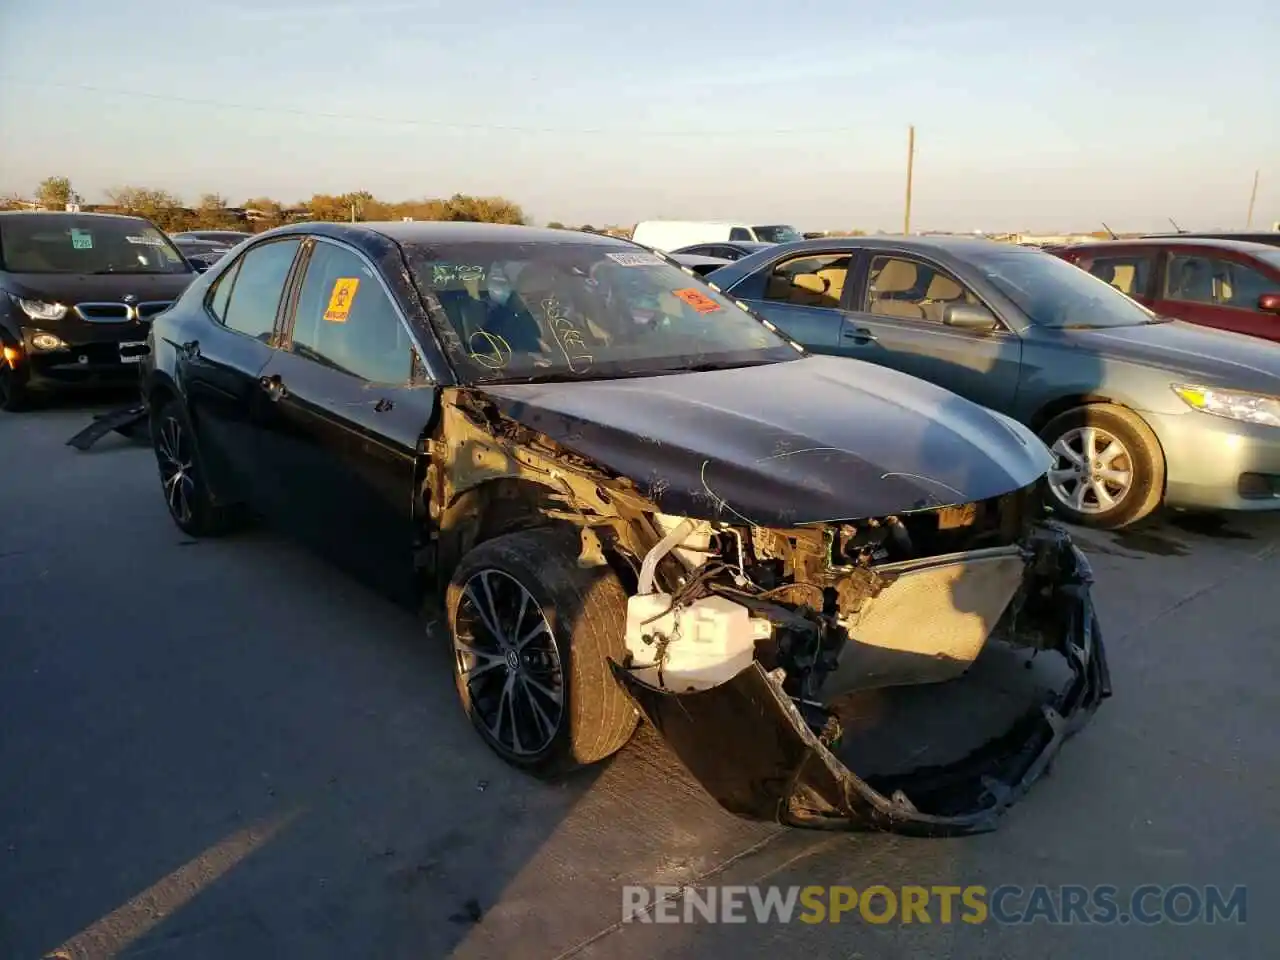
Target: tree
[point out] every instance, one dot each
(54, 193)
(555, 225)
(159, 206)
(483, 209)
(587, 228)
(264, 213)
(327, 207)
(214, 214)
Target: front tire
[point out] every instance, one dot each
(1109, 470)
(186, 493)
(14, 396)
(532, 634)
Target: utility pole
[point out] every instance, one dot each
(1253, 197)
(911, 158)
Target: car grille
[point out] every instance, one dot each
(120, 312)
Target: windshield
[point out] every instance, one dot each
(777, 234)
(1055, 293)
(36, 243)
(582, 311)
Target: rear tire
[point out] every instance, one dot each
(1109, 470)
(538, 688)
(187, 496)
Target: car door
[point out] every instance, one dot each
(896, 318)
(219, 369)
(803, 294)
(1218, 289)
(351, 403)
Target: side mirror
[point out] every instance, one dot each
(969, 316)
(1269, 303)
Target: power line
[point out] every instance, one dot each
(435, 124)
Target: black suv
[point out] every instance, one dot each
(77, 294)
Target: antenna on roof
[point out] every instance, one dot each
(1175, 225)
(1110, 232)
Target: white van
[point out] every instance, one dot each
(668, 235)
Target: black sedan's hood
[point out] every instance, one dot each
(1202, 354)
(805, 441)
(73, 288)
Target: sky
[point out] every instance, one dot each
(1037, 117)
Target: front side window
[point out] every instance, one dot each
(1196, 278)
(809, 280)
(1130, 274)
(85, 244)
(346, 321)
(256, 289)
(900, 287)
(515, 311)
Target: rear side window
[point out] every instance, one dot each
(256, 288)
(1130, 274)
(346, 321)
(740, 233)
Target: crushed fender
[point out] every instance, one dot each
(782, 771)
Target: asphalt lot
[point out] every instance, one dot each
(227, 748)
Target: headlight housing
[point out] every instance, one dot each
(40, 310)
(47, 342)
(1231, 404)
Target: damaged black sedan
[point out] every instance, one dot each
(635, 497)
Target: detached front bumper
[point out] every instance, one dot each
(748, 744)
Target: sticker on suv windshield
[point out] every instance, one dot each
(146, 241)
(697, 299)
(81, 239)
(636, 259)
(344, 292)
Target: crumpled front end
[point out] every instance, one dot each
(765, 752)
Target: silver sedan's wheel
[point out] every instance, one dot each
(1094, 470)
(1108, 468)
(506, 654)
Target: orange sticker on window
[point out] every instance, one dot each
(340, 300)
(698, 300)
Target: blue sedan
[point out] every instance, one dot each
(1137, 410)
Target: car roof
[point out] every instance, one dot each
(1220, 243)
(425, 233)
(957, 245)
(62, 214)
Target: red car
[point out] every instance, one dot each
(1228, 284)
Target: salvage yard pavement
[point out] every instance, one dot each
(227, 748)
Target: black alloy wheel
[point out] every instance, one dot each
(506, 654)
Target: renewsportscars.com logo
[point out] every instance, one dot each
(1147, 904)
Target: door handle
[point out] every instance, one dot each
(190, 349)
(861, 334)
(383, 405)
(274, 387)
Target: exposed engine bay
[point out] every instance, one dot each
(757, 629)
